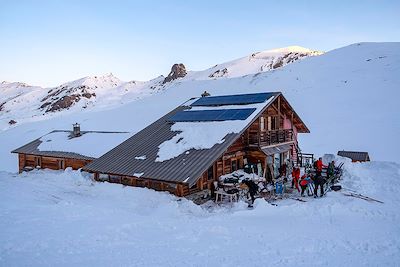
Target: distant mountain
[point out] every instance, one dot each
(257, 62)
(21, 103)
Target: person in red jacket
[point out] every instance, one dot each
(293, 175)
(304, 182)
(318, 167)
(296, 177)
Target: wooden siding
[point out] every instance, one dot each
(53, 163)
(174, 188)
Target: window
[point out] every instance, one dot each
(156, 185)
(272, 123)
(61, 164)
(140, 183)
(115, 179)
(38, 162)
(126, 181)
(262, 123)
(239, 163)
(103, 177)
(210, 173)
(233, 165)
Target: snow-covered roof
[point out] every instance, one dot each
(177, 151)
(204, 135)
(89, 145)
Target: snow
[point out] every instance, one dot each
(138, 174)
(255, 63)
(91, 144)
(56, 218)
(241, 175)
(23, 102)
(141, 157)
(204, 135)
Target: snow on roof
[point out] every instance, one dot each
(91, 144)
(204, 135)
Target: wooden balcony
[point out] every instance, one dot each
(267, 138)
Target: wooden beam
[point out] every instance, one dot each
(291, 120)
(279, 112)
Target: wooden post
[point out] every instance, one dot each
(291, 120)
(279, 112)
(179, 190)
(21, 162)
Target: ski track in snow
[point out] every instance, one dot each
(57, 218)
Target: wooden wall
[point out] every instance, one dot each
(174, 188)
(25, 160)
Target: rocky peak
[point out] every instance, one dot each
(177, 71)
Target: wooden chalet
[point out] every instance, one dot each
(65, 149)
(355, 156)
(268, 135)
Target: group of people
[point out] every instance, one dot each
(318, 180)
(299, 182)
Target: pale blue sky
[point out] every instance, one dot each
(50, 42)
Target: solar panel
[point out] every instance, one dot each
(233, 99)
(212, 115)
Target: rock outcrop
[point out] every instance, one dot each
(177, 71)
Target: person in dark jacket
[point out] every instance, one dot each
(319, 181)
(331, 169)
(253, 188)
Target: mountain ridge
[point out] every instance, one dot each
(107, 89)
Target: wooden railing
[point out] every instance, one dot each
(267, 138)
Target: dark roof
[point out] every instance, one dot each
(354, 155)
(212, 115)
(187, 167)
(32, 148)
(183, 168)
(242, 99)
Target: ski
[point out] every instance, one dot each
(362, 197)
(298, 199)
(273, 204)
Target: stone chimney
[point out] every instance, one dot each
(77, 130)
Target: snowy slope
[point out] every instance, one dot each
(24, 103)
(257, 62)
(55, 218)
(347, 97)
